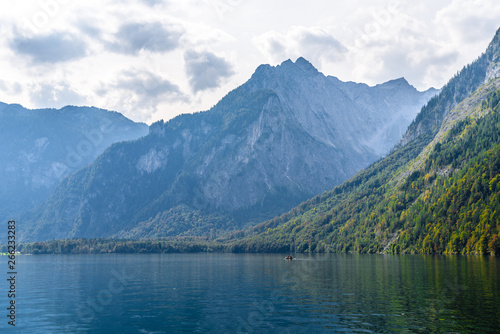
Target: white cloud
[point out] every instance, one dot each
(153, 2)
(138, 92)
(313, 43)
(468, 22)
(425, 44)
(206, 70)
(52, 48)
(11, 88)
(55, 95)
(151, 36)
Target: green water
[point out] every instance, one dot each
(255, 293)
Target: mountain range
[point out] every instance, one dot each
(287, 134)
(438, 191)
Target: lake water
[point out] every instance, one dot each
(254, 293)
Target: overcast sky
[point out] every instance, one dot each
(155, 59)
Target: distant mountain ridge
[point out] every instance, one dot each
(285, 135)
(42, 146)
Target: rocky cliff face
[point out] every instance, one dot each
(287, 134)
(41, 147)
(316, 132)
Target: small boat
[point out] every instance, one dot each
(289, 258)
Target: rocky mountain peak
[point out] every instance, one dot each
(305, 65)
(301, 66)
(396, 83)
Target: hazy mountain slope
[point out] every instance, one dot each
(486, 67)
(41, 147)
(438, 193)
(287, 134)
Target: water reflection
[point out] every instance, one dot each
(247, 293)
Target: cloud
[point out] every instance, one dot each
(92, 43)
(56, 47)
(54, 95)
(134, 37)
(152, 3)
(273, 45)
(390, 42)
(421, 63)
(89, 29)
(148, 84)
(206, 70)
(425, 43)
(317, 41)
(11, 88)
(140, 92)
(314, 43)
(470, 21)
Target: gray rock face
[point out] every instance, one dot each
(317, 132)
(493, 71)
(369, 120)
(274, 152)
(41, 147)
(287, 134)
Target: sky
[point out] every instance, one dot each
(155, 59)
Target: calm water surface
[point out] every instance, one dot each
(246, 293)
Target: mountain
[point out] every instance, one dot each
(287, 134)
(437, 192)
(40, 147)
(367, 119)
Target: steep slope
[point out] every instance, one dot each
(41, 147)
(436, 193)
(287, 134)
(429, 120)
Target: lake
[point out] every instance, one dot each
(254, 293)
